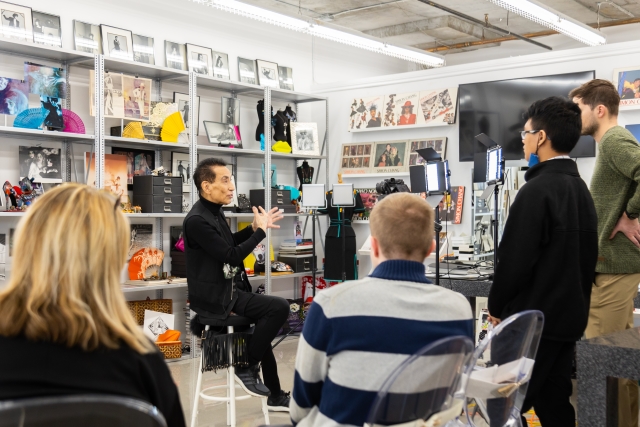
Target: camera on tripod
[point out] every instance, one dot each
(390, 186)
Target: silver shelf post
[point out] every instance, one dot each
(193, 139)
(99, 120)
(267, 184)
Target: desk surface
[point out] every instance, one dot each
(629, 339)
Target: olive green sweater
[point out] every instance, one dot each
(614, 187)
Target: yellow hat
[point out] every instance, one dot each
(281, 147)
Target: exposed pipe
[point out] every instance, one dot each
(484, 24)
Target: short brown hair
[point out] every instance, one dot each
(598, 92)
(403, 225)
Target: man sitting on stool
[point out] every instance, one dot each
(358, 332)
(218, 284)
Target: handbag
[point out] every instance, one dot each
(244, 205)
(180, 244)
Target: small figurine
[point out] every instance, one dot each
(10, 196)
(159, 172)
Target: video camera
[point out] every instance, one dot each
(390, 186)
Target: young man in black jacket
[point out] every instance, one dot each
(218, 284)
(548, 253)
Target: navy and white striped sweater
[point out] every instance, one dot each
(357, 333)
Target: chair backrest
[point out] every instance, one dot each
(425, 384)
(79, 411)
(512, 347)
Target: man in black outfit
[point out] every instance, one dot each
(547, 256)
(210, 249)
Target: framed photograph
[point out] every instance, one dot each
(182, 100)
(113, 95)
(199, 59)
(390, 157)
(230, 111)
(222, 134)
(139, 162)
(137, 95)
(304, 138)
(46, 29)
(116, 42)
(14, 96)
(439, 144)
(221, 65)
(367, 113)
(438, 107)
(43, 165)
(285, 75)
(627, 81)
(143, 49)
(87, 37)
(181, 166)
(247, 71)
(16, 22)
(268, 74)
(175, 55)
(45, 81)
(52, 112)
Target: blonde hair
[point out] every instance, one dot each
(65, 283)
(403, 225)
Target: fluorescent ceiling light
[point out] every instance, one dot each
(324, 31)
(549, 18)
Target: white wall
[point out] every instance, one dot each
(602, 59)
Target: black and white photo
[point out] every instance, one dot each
(52, 112)
(175, 55)
(182, 100)
(181, 166)
(230, 108)
(15, 22)
(87, 37)
(221, 65)
(268, 74)
(247, 71)
(117, 43)
(304, 138)
(143, 49)
(113, 95)
(46, 29)
(199, 59)
(141, 236)
(286, 78)
(43, 165)
(222, 134)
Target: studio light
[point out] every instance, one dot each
(549, 18)
(324, 31)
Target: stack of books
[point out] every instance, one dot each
(297, 249)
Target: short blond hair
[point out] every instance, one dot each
(65, 285)
(403, 225)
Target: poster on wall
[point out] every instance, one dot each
(45, 81)
(356, 158)
(405, 111)
(439, 144)
(438, 107)
(14, 96)
(627, 81)
(369, 198)
(366, 113)
(137, 95)
(390, 157)
(115, 173)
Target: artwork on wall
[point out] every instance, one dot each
(175, 55)
(627, 81)
(439, 144)
(304, 138)
(268, 74)
(139, 162)
(390, 157)
(369, 198)
(46, 29)
(87, 37)
(16, 22)
(247, 71)
(137, 94)
(199, 59)
(14, 96)
(115, 172)
(285, 74)
(42, 164)
(182, 100)
(453, 212)
(221, 65)
(52, 112)
(356, 158)
(143, 49)
(181, 166)
(415, 109)
(116, 42)
(45, 81)
(230, 109)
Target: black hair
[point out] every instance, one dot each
(560, 118)
(636, 80)
(204, 171)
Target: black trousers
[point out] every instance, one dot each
(269, 314)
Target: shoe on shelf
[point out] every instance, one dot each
(249, 380)
(279, 402)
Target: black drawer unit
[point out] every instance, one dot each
(158, 204)
(299, 265)
(279, 198)
(157, 185)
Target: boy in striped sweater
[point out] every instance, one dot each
(357, 333)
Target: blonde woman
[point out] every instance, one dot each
(64, 326)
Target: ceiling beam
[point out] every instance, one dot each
(446, 21)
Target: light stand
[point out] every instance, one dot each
(313, 197)
(497, 182)
(343, 197)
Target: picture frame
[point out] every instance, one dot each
(181, 166)
(267, 73)
(356, 158)
(115, 172)
(42, 164)
(139, 162)
(230, 111)
(247, 71)
(199, 59)
(627, 82)
(143, 49)
(46, 29)
(175, 55)
(182, 100)
(136, 92)
(16, 22)
(390, 157)
(87, 37)
(117, 43)
(285, 77)
(222, 134)
(304, 139)
(220, 65)
(438, 143)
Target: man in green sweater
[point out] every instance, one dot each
(614, 187)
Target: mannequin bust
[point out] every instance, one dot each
(281, 127)
(291, 117)
(305, 174)
(260, 110)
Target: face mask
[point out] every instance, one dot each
(533, 160)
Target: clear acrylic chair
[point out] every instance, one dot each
(427, 388)
(499, 371)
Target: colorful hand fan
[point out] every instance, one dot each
(145, 263)
(72, 122)
(133, 130)
(31, 118)
(172, 127)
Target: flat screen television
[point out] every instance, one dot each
(496, 108)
